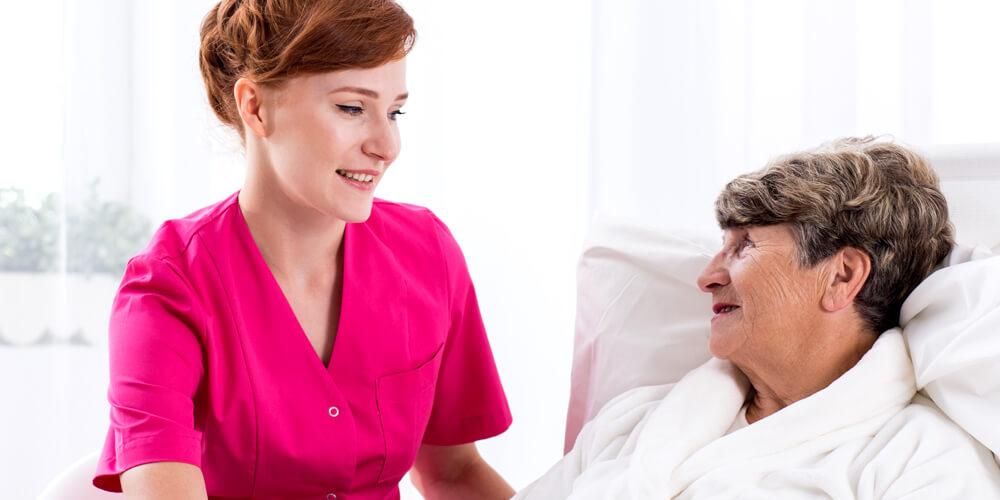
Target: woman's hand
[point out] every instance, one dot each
(164, 480)
(447, 472)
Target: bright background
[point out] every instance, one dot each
(526, 120)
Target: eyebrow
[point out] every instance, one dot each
(367, 92)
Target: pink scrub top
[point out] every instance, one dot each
(209, 365)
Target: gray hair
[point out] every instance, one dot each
(869, 194)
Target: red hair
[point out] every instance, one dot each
(270, 41)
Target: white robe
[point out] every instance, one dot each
(866, 436)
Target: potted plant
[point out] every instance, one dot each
(60, 264)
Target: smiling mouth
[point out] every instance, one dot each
(356, 176)
(724, 308)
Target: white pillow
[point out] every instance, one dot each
(641, 319)
(951, 324)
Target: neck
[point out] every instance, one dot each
(828, 354)
(299, 243)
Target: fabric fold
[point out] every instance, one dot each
(862, 437)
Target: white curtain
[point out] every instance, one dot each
(690, 93)
(107, 133)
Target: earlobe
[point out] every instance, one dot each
(850, 268)
(248, 101)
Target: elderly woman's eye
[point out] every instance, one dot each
(746, 243)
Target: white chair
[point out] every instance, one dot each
(74, 483)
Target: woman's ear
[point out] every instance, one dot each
(849, 270)
(249, 96)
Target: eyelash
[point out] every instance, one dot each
(358, 110)
(351, 110)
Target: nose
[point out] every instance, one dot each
(715, 274)
(382, 141)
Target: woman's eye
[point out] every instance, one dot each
(393, 115)
(746, 243)
(351, 110)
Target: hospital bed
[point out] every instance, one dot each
(641, 319)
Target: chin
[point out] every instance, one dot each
(357, 213)
(717, 355)
(719, 346)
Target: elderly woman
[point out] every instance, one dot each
(811, 393)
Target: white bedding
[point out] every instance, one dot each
(641, 319)
(865, 436)
(952, 329)
(861, 437)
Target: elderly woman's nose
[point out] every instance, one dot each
(714, 275)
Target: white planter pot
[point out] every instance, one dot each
(57, 308)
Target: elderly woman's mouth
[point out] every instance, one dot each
(722, 308)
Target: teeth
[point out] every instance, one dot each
(356, 176)
(727, 309)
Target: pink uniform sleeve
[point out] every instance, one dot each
(156, 367)
(469, 402)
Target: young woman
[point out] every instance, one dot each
(302, 339)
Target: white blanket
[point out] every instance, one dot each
(952, 329)
(865, 436)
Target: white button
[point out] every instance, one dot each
(333, 413)
(331, 496)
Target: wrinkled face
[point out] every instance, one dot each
(333, 135)
(764, 301)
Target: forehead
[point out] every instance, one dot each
(388, 80)
(774, 233)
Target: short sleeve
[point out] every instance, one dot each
(155, 359)
(469, 401)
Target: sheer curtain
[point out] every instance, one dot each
(690, 93)
(108, 133)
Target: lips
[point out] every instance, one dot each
(363, 176)
(722, 307)
(362, 180)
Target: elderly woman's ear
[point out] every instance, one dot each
(847, 272)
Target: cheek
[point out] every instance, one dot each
(772, 292)
(783, 287)
(317, 145)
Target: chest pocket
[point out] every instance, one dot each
(405, 401)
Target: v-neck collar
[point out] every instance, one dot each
(284, 306)
(373, 303)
